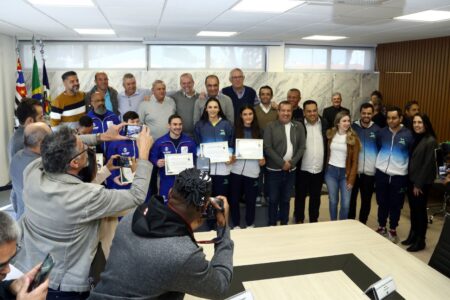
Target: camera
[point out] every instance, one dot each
(122, 161)
(210, 211)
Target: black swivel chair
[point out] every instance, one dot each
(440, 260)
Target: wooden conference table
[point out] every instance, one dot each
(327, 245)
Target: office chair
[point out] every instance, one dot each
(440, 260)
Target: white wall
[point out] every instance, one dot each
(7, 94)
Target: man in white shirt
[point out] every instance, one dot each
(284, 144)
(310, 170)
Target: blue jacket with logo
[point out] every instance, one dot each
(126, 148)
(101, 126)
(223, 131)
(394, 151)
(164, 145)
(369, 148)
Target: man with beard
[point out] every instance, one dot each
(367, 132)
(101, 117)
(69, 106)
(175, 141)
(64, 209)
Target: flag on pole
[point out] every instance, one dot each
(21, 90)
(46, 93)
(36, 89)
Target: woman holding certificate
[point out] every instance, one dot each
(215, 136)
(245, 170)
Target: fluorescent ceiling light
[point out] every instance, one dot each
(94, 31)
(324, 37)
(216, 33)
(427, 16)
(63, 3)
(269, 6)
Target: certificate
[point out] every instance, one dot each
(249, 149)
(176, 163)
(216, 152)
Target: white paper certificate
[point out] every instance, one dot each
(176, 163)
(216, 152)
(249, 149)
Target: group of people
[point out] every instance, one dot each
(68, 204)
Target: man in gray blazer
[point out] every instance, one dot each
(284, 145)
(63, 207)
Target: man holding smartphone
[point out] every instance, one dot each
(15, 289)
(165, 255)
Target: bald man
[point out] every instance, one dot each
(33, 136)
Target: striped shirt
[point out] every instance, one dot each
(67, 110)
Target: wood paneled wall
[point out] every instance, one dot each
(418, 70)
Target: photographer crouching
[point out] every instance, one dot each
(63, 208)
(154, 254)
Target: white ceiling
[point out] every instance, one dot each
(181, 20)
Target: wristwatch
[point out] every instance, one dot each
(97, 138)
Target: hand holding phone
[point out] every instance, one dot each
(43, 272)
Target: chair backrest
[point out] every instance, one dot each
(440, 260)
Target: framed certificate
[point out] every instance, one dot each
(176, 163)
(249, 149)
(216, 152)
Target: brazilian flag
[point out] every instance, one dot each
(36, 88)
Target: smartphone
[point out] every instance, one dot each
(43, 273)
(122, 161)
(203, 164)
(132, 130)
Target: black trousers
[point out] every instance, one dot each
(418, 207)
(307, 184)
(247, 187)
(366, 185)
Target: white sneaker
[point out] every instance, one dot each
(251, 226)
(236, 227)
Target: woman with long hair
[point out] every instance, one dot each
(245, 172)
(343, 151)
(213, 126)
(421, 173)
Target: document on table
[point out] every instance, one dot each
(176, 163)
(216, 151)
(249, 149)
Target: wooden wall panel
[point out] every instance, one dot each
(418, 70)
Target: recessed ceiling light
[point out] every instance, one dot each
(94, 31)
(324, 37)
(269, 6)
(427, 16)
(216, 33)
(64, 3)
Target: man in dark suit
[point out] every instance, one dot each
(329, 113)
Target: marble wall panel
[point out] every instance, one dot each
(319, 86)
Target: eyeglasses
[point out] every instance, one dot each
(86, 148)
(6, 263)
(237, 77)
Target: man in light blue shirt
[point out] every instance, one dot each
(131, 97)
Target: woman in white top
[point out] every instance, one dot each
(343, 150)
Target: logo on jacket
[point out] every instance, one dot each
(184, 149)
(222, 132)
(372, 135)
(125, 152)
(166, 150)
(402, 141)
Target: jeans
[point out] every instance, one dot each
(336, 181)
(280, 185)
(55, 294)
